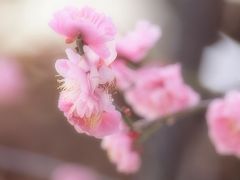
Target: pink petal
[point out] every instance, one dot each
(110, 124)
(62, 66)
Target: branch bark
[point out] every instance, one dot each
(149, 128)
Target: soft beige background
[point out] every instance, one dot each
(24, 23)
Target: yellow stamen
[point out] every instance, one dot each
(93, 120)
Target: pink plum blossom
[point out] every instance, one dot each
(11, 80)
(84, 98)
(223, 119)
(95, 29)
(121, 152)
(158, 91)
(124, 74)
(73, 172)
(136, 44)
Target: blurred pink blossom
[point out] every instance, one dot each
(95, 29)
(124, 74)
(121, 152)
(84, 98)
(223, 118)
(136, 44)
(11, 80)
(73, 172)
(158, 91)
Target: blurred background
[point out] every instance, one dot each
(202, 35)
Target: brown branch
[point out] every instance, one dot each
(79, 48)
(149, 128)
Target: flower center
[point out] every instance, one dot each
(235, 128)
(93, 120)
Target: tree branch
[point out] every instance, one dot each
(149, 128)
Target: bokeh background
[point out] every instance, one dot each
(203, 35)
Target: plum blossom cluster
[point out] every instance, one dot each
(90, 74)
(85, 98)
(151, 91)
(165, 91)
(87, 82)
(154, 92)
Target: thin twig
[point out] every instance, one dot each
(125, 118)
(79, 48)
(149, 128)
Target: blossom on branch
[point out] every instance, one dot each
(121, 152)
(85, 98)
(223, 118)
(136, 44)
(95, 29)
(159, 91)
(124, 74)
(89, 76)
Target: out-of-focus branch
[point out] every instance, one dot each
(28, 163)
(149, 128)
(31, 164)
